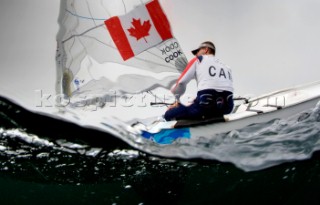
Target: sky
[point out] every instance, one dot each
(28, 48)
(269, 45)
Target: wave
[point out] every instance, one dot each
(25, 134)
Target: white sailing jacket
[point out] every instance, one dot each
(209, 73)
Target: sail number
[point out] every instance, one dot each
(171, 51)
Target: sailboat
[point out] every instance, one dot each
(134, 50)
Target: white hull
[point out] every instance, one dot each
(222, 127)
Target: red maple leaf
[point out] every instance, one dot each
(139, 30)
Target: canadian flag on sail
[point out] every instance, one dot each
(140, 29)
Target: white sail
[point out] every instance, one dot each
(88, 59)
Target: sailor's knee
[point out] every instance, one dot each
(167, 115)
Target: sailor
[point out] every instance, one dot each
(215, 87)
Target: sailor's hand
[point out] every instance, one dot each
(174, 105)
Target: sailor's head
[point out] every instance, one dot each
(205, 48)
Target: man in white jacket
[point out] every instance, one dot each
(215, 87)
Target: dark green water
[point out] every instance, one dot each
(143, 181)
(31, 174)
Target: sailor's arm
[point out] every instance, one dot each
(187, 75)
